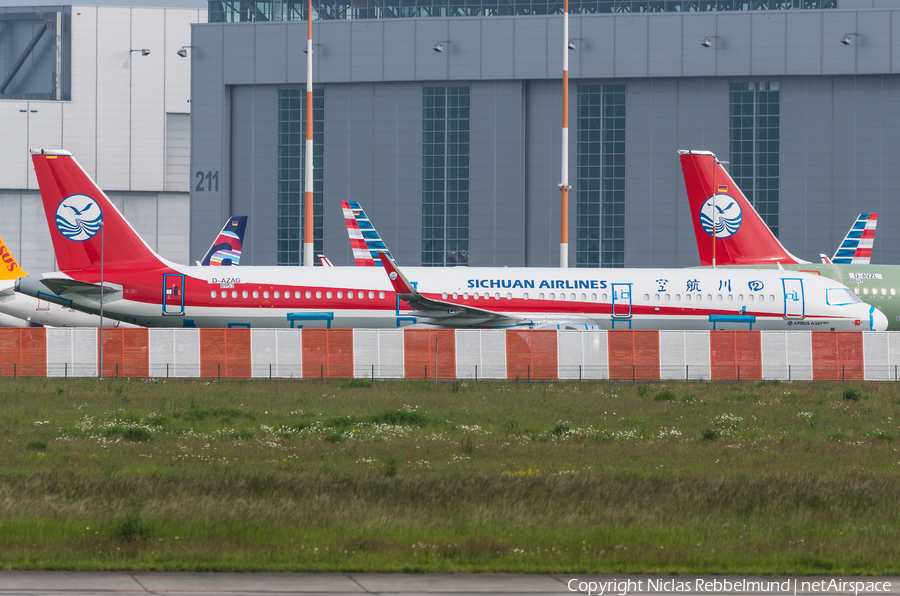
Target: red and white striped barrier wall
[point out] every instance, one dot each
(882, 356)
(378, 353)
(684, 355)
(172, 352)
(71, 352)
(276, 353)
(589, 351)
(451, 354)
(481, 354)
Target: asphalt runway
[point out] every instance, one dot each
(66, 583)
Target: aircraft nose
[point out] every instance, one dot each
(878, 321)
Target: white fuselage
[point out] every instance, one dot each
(347, 297)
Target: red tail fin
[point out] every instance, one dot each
(741, 236)
(75, 208)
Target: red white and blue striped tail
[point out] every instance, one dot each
(367, 245)
(856, 249)
(361, 255)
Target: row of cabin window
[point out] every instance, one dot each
(884, 291)
(604, 297)
(297, 295)
(486, 296)
(709, 297)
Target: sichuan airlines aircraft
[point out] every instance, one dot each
(19, 310)
(742, 237)
(141, 287)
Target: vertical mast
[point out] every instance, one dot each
(308, 187)
(715, 190)
(564, 184)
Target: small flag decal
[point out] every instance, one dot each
(723, 188)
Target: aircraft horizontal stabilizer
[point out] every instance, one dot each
(67, 288)
(438, 312)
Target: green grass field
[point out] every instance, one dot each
(606, 477)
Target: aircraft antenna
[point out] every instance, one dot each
(564, 184)
(308, 187)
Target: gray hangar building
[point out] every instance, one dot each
(442, 118)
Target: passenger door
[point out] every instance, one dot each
(621, 301)
(794, 303)
(173, 294)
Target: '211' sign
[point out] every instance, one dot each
(207, 182)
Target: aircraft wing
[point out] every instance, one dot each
(856, 249)
(67, 288)
(438, 312)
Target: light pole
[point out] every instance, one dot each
(564, 184)
(715, 190)
(101, 299)
(308, 240)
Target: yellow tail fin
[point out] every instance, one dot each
(9, 268)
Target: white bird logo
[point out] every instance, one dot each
(726, 213)
(78, 218)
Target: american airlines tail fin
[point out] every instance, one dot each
(367, 245)
(76, 210)
(856, 249)
(226, 249)
(10, 268)
(741, 235)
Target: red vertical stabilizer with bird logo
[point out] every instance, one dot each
(720, 210)
(76, 211)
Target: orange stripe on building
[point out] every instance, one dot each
(225, 353)
(23, 352)
(531, 355)
(633, 354)
(837, 355)
(429, 353)
(327, 353)
(735, 355)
